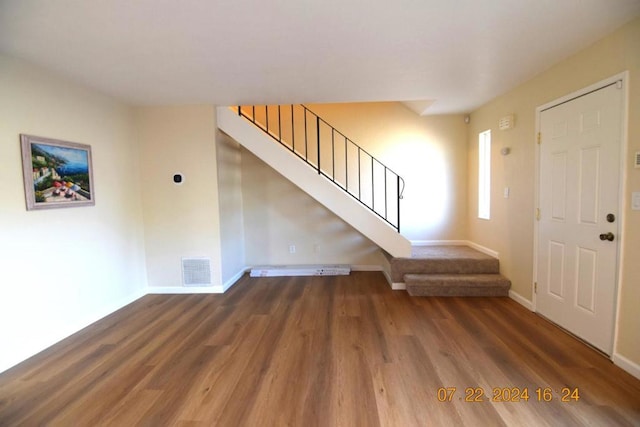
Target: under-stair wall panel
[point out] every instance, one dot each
(324, 191)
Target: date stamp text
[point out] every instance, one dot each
(509, 394)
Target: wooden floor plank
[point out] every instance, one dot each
(318, 351)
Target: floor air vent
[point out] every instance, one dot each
(196, 272)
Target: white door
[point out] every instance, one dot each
(578, 218)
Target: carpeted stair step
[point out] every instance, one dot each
(443, 260)
(450, 285)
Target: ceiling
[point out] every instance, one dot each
(446, 56)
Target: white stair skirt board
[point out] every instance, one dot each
(300, 270)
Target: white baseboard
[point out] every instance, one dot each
(78, 326)
(232, 281)
(619, 360)
(396, 286)
(469, 243)
(388, 277)
(218, 289)
(106, 311)
(626, 364)
(360, 267)
(113, 308)
(521, 300)
(399, 286)
(439, 242)
(185, 289)
(483, 249)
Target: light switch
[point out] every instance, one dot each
(507, 191)
(635, 201)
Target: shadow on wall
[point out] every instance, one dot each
(278, 214)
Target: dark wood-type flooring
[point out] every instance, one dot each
(319, 351)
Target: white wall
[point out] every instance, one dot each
(61, 269)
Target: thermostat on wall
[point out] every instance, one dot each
(178, 179)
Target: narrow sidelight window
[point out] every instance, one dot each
(484, 175)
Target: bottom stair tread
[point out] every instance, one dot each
(457, 284)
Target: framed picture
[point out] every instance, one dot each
(57, 174)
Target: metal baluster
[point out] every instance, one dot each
(279, 125)
(318, 140)
(346, 164)
(386, 198)
(293, 132)
(318, 166)
(333, 155)
(373, 187)
(398, 225)
(306, 148)
(359, 176)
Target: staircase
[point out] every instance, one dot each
(449, 271)
(335, 171)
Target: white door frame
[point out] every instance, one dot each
(624, 77)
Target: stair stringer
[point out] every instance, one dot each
(308, 180)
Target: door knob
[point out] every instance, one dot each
(607, 236)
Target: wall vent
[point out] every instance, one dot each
(636, 160)
(196, 272)
(506, 122)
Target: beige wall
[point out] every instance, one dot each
(231, 208)
(179, 220)
(61, 269)
(278, 214)
(510, 231)
(430, 153)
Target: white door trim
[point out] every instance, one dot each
(624, 77)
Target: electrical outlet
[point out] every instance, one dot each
(292, 249)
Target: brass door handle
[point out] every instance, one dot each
(607, 236)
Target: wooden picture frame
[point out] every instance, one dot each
(57, 174)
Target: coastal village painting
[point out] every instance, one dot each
(56, 173)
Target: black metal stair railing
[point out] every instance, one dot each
(332, 155)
